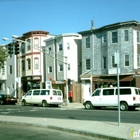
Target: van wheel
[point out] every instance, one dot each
(23, 103)
(88, 105)
(123, 106)
(44, 103)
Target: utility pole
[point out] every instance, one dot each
(117, 61)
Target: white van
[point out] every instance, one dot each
(108, 97)
(43, 97)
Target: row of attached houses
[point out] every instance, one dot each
(86, 57)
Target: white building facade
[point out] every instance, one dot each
(63, 59)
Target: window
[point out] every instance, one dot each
(108, 92)
(115, 37)
(54, 92)
(68, 46)
(36, 92)
(36, 43)
(50, 69)
(36, 40)
(88, 42)
(96, 93)
(28, 44)
(125, 91)
(23, 48)
(10, 69)
(58, 93)
(3, 70)
(45, 92)
(50, 49)
(23, 65)
(36, 63)
(138, 36)
(28, 64)
(104, 62)
(61, 67)
(126, 60)
(29, 93)
(126, 35)
(113, 62)
(138, 60)
(68, 66)
(137, 91)
(88, 64)
(104, 38)
(60, 47)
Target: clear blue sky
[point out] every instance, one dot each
(62, 16)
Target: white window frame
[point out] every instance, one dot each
(28, 44)
(28, 64)
(60, 67)
(68, 46)
(138, 60)
(138, 37)
(104, 62)
(113, 65)
(88, 64)
(126, 35)
(68, 66)
(60, 47)
(104, 38)
(126, 61)
(36, 63)
(23, 65)
(116, 37)
(10, 69)
(87, 40)
(50, 69)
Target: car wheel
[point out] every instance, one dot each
(1, 102)
(123, 106)
(23, 103)
(88, 105)
(44, 103)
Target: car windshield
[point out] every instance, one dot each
(9, 96)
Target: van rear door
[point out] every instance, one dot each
(57, 97)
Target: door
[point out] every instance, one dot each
(108, 97)
(86, 93)
(36, 97)
(96, 98)
(28, 97)
(57, 96)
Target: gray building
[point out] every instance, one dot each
(98, 49)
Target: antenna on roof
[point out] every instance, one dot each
(92, 24)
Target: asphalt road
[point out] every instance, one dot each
(67, 113)
(14, 132)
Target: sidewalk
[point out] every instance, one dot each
(107, 130)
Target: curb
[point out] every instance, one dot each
(97, 135)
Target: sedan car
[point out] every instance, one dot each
(7, 99)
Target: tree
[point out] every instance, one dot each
(3, 55)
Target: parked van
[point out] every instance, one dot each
(43, 97)
(108, 97)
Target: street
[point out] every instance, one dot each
(103, 115)
(14, 132)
